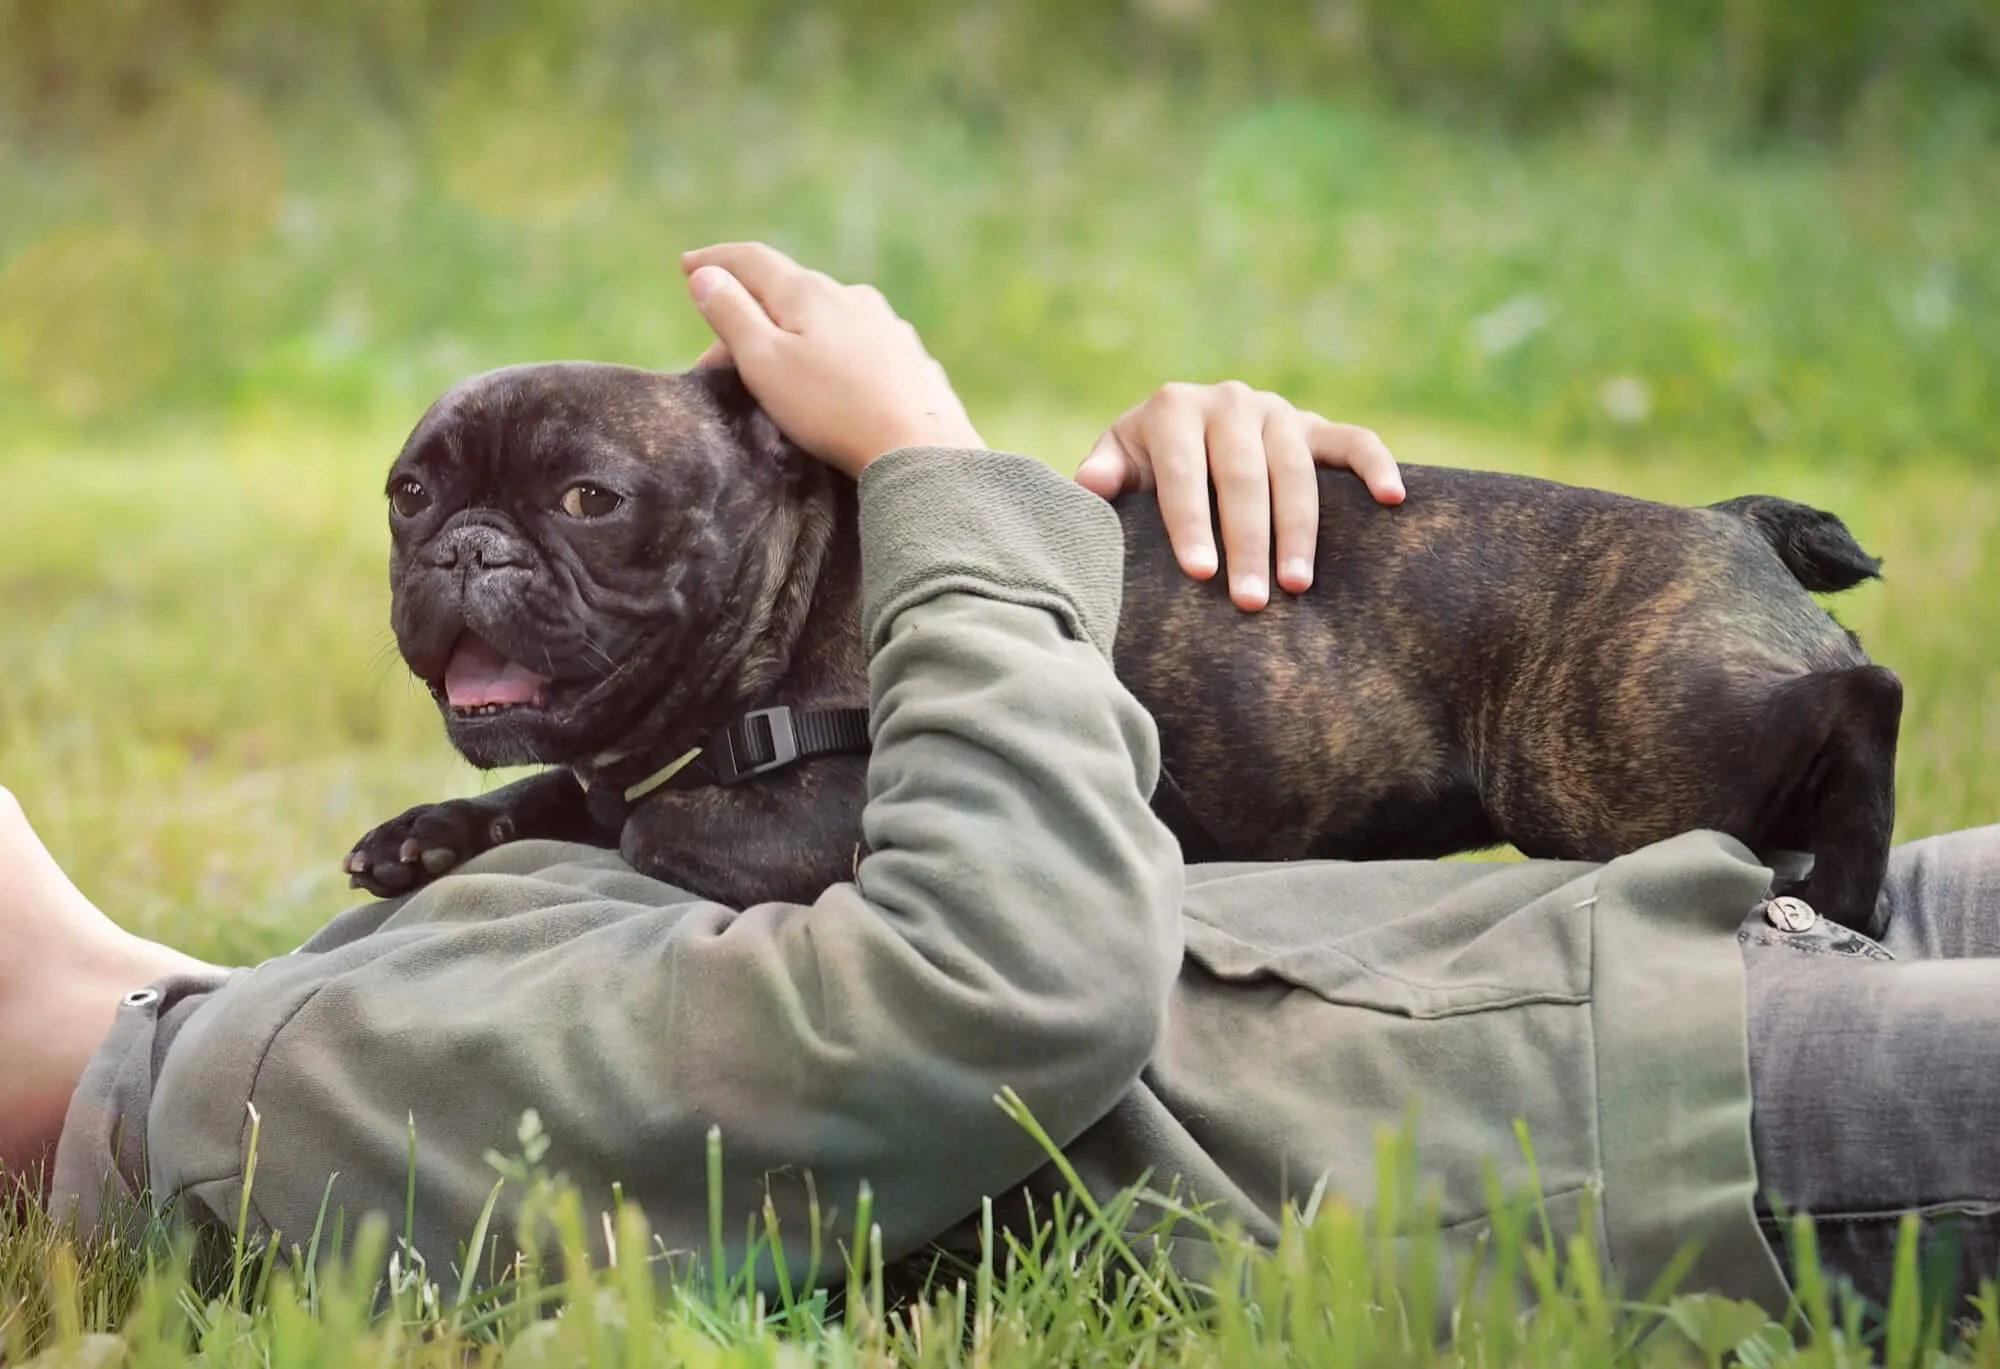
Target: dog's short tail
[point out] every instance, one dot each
(1815, 546)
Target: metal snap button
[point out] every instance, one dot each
(1790, 914)
(140, 998)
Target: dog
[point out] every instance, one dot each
(632, 577)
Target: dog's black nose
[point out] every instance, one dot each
(478, 547)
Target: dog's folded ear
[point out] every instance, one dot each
(753, 429)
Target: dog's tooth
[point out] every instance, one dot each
(482, 710)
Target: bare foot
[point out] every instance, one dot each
(63, 967)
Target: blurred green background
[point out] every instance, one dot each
(1683, 249)
(1759, 223)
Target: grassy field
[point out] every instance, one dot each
(1345, 1286)
(1598, 286)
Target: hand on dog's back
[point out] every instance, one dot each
(1256, 454)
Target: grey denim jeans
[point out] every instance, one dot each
(1875, 1070)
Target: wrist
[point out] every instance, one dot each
(926, 430)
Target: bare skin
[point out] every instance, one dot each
(848, 380)
(64, 966)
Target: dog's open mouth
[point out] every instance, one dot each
(481, 682)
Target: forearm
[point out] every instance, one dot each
(64, 968)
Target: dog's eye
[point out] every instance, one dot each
(588, 501)
(409, 497)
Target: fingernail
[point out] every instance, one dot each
(1298, 571)
(1201, 561)
(703, 282)
(1251, 587)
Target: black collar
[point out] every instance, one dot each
(767, 739)
(762, 740)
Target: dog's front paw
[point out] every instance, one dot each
(410, 851)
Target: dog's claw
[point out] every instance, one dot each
(411, 849)
(439, 859)
(357, 864)
(501, 832)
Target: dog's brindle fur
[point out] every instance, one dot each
(1499, 659)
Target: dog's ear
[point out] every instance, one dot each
(752, 428)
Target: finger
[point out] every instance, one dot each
(739, 321)
(756, 260)
(1359, 450)
(1242, 475)
(1294, 498)
(773, 279)
(1171, 429)
(1113, 467)
(715, 354)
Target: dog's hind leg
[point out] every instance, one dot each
(1842, 806)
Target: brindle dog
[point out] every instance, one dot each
(596, 568)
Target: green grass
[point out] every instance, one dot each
(1602, 285)
(1345, 1285)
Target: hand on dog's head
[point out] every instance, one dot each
(572, 542)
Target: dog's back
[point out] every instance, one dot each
(1502, 659)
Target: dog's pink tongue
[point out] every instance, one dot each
(478, 675)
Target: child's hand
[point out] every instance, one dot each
(832, 364)
(1259, 452)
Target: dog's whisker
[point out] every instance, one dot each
(382, 663)
(593, 650)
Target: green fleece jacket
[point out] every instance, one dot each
(1023, 922)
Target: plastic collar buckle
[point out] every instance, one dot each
(756, 743)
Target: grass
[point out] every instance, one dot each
(1346, 1285)
(227, 251)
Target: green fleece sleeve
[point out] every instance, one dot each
(1017, 925)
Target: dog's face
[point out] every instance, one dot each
(571, 543)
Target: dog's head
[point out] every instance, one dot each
(578, 549)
